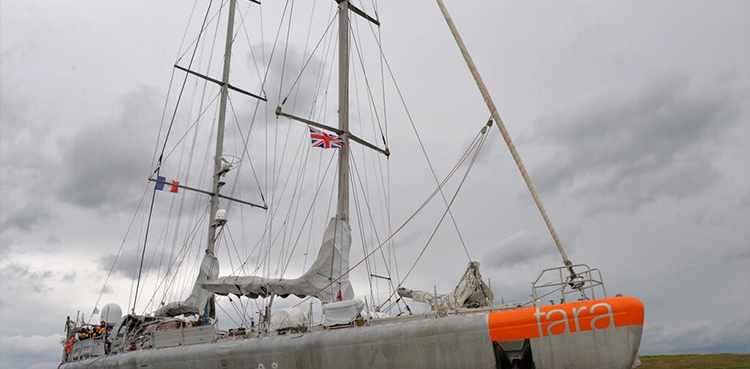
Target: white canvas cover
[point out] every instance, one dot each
(288, 318)
(332, 262)
(470, 292)
(342, 312)
(194, 303)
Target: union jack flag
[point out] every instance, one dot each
(325, 140)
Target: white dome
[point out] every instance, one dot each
(111, 313)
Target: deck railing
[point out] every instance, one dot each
(553, 283)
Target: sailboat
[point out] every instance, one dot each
(462, 328)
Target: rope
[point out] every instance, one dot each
(421, 145)
(478, 143)
(427, 201)
(158, 168)
(501, 126)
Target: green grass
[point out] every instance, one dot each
(716, 361)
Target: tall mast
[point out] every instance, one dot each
(343, 203)
(501, 126)
(220, 132)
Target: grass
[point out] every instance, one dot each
(715, 361)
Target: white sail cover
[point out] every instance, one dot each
(194, 303)
(290, 318)
(342, 312)
(331, 263)
(470, 292)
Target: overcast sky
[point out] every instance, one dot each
(631, 117)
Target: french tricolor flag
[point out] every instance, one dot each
(160, 184)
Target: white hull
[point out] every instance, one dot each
(425, 341)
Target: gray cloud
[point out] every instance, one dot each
(26, 154)
(697, 338)
(522, 247)
(104, 162)
(128, 264)
(31, 352)
(17, 277)
(69, 277)
(622, 150)
(31, 216)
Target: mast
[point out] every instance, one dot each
(501, 126)
(210, 245)
(343, 200)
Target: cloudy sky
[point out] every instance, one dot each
(631, 117)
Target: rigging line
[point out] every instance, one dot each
(322, 112)
(273, 172)
(227, 314)
(407, 221)
(312, 208)
(236, 310)
(191, 127)
(252, 52)
(373, 117)
(330, 24)
(181, 255)
(307, 217)
(184, 34)
(182, 90)
(378, 39)
(275, 210)
(387, 181)
(367, 83)
(241, 311)
(196, 204)
(321, 88)
(421, 145)
(286, 49)
(303, 170)
(143, 254)
(229, 235)
(203, 28)
(463, 180)
(296, 204)
(244, 151)
(166, 139)
(298, 187)
(281, 161)
(373, 227)
(324, 75)
(372, 223)
(122, 244)
(255, 112)
(361, 226)
(372, 109)
(317, 192)
(181, 275)
(171, 81)
(132, 281)
(182, 199)
(309, 33)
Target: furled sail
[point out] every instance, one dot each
(331, 263)
(198, 298)
(470, 292)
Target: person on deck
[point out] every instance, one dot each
(69, 348)
(98, 331)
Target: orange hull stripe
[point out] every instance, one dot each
(565, 318)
